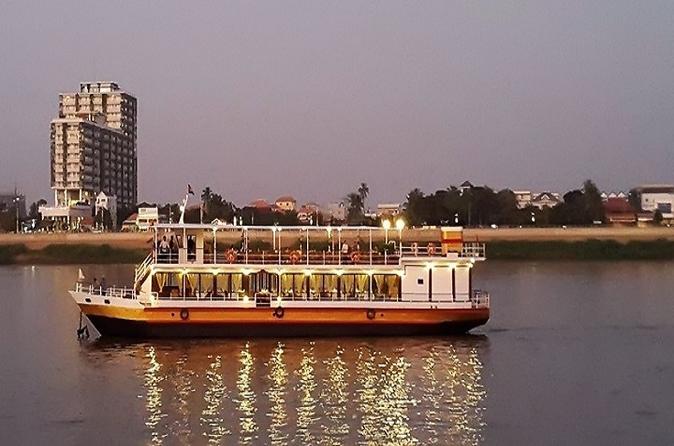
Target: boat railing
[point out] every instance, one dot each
(300, 257)
(113, 291)
(296, 257)
(480, 299)
(142, 269)
(468, 250)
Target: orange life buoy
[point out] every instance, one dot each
(184, 314)
(231, 256)
(355, 256)
(295, 257)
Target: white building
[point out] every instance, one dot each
(336, 211)
(523, 198)
(146, 218)
(388, 209)
(286, 203)
(546, 200)
(658, 197)
(93, 149)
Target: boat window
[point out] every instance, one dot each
(385, 286)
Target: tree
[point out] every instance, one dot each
(206, 196)
(416, 210)
(594, 205)
(634, 199)
(363, 191)
(34, 210)
(355, 205)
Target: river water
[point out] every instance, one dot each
(575, 353)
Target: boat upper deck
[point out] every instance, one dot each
(217, 244)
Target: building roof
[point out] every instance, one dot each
(466, 184)
(131, 220)
(286, 198)
(657, 189)
(546, 196)
(260, 203)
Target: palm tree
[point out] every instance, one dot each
(206, 196)
(363, 191)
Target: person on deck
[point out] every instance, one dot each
(164, 250)
(173, 250)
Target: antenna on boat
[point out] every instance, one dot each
(184, 206)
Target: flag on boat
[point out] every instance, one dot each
(189, 189)
(80, 275)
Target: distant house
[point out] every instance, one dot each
(260, 203)
(141, 220)
(658, 197)
(286, 203)
(619, 212)
(388, 209)
(546, 200)
(523, 198)
(308, 213)
(466, 185)
(147, 217)
(336, 211)
(130, 223)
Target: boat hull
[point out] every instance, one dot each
(263, 322)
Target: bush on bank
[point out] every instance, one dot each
(505, 250)
(8, 253)
(582, 250)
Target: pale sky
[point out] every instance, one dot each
(309, 98)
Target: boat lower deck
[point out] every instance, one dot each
(280, 322)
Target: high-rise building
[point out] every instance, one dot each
(93, 146)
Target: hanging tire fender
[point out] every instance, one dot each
(371, 314)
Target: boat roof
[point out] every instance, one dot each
(230, 227)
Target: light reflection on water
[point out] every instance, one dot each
(325, 392)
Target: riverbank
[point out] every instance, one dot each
(143, 240)
(62, 254)
(80, 254)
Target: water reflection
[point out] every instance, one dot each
(329, 392)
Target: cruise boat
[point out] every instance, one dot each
(215, 280)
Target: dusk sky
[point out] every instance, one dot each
(309, 98)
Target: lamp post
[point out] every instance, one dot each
(400, 225)
(16, 206)
(456, 218)
(387, 225)
(533, 218)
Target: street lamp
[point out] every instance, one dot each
(400, 225)
(16, 206)
(533, 218)
(456, 218)
(387, 225)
